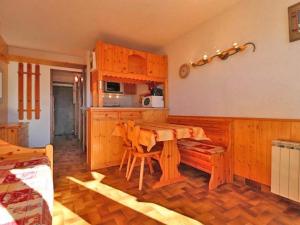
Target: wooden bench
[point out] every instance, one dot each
(211, 157)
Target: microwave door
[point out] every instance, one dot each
(113, 87)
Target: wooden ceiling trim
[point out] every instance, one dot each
(25, 59)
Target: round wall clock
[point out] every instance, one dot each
(184, 70)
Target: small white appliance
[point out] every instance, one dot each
(153, 101)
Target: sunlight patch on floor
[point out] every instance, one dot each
(151, 210)
(63, 215)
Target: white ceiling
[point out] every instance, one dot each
(74, 26)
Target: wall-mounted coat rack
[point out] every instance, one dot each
(223, 55)
(29, 74)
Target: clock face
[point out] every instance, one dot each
(184, 70)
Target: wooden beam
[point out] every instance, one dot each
(29, 92)
(21, 91)
(37, 106)
(32, 60)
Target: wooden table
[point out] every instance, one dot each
(151, 133)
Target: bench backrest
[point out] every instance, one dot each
(218, 130)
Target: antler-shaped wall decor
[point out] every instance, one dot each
(224, 54)
(184, 69)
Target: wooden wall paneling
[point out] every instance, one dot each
(37, 104)
(245, 138)
(21, 91)
(269, 130)
(29, 91)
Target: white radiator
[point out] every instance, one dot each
(285, 179)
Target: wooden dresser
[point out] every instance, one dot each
(15, 133)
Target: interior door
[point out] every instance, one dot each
(63, 110)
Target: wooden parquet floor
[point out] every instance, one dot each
(76, 202)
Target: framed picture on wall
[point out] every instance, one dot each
(294, 22)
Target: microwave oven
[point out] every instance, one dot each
(153, 101)
(113, 87)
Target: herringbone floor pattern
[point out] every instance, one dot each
(231, 204)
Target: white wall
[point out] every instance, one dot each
(261, 84)
(39, 130)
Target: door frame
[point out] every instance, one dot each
(82, 73)
(55, 84)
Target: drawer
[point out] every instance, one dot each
(130, 115)
(106, 115)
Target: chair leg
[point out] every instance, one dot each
(128, 163)
(131, 168)
(142, 173)
(149, 162)
(123, 159)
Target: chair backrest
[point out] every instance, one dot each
(130, 128)
(135, 141)
(124, 134)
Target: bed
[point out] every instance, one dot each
(26, 185)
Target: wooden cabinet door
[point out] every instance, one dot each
(107, 57)
(120, 61)
(137, 62)
(157, 66)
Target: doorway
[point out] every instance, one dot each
(64, 120)
(67, 101)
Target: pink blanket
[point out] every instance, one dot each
(26, 191)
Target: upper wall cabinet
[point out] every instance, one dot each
(120, 59)
(157, 66)
(115, 62)
(137, 62)
(107, 58)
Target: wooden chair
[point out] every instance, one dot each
(138, 152)
(126, 145)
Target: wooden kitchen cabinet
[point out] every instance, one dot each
(107, 57)
(118, 62)
(104, 149)
(157, 66)
(120, 59)
(137, 62)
